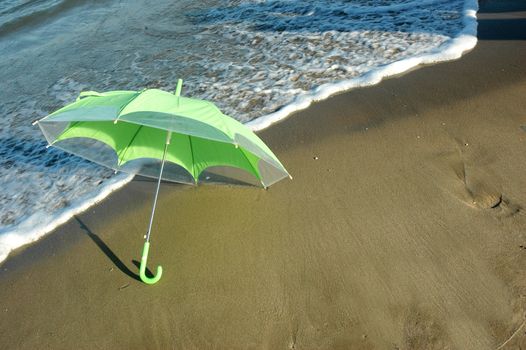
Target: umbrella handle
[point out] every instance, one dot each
(144, 261)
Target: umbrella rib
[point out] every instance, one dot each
(62, 133)
(125, 149)
(126, 105)
(254, 169)
(193, 161)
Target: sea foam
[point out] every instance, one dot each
(451, 49)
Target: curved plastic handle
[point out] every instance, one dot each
(144, 261)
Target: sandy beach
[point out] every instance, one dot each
(404, 228)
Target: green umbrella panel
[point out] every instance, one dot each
(126, 131)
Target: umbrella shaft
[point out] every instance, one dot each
(157, 191)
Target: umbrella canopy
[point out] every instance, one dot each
(127, 130)
(139, 131)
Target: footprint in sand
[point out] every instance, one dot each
(481, 194)
(474, 185)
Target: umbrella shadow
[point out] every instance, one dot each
(107, 250)
(148, 272)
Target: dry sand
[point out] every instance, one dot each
(404, 228)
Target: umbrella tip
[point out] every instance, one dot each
(34, 123)
(179, 87)
(290, 176)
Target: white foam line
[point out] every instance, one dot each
(25, 232)
(452, 49)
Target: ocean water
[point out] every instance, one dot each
(257, 60)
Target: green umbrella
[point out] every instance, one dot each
(162, 135)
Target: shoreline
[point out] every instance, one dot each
(405, 231)
(451, 50)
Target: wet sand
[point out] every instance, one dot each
(404, 228)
